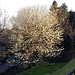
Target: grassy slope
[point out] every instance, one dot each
(51, 69)
(43, 69)
(66, 69)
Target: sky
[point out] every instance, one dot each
(12, 6)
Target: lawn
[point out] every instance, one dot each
(43, 69)
(66, 69)
(51, 69)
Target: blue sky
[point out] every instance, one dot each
(12, 6)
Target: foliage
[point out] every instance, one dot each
(4, 33)
(38, 34)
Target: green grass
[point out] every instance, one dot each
(43, 69)
(66, 69)
(51, 69)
